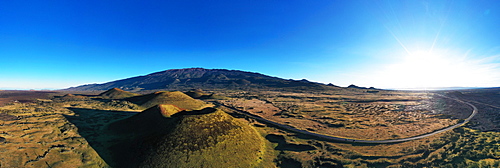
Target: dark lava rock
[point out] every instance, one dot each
(336, 125)
(283, 145)
(7, 117)
(2, 139)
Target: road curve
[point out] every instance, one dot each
(339, 139)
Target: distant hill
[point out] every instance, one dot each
(200, 78)
(116, 93)
(73, 97)
(167, 97)
(150, 120)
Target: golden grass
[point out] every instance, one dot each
(116, 93)
(165, 97)
(43, 137)
(43, 140)
(214, 139)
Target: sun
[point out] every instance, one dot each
(424, 69)
(420, 69)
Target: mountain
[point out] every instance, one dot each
(200, 78)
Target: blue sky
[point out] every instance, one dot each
(385, 44)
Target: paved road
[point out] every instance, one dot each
(338, 139)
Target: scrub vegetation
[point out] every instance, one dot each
(118, 128)
(219, 139)
(168, 97)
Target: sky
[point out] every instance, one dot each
(384, 44)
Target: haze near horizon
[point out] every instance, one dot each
(384, 44)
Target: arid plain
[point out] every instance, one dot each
(224, 118)
(61, 129)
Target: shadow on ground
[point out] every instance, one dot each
(92, 125)
(283, 145)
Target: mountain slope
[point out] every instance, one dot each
(199, 78)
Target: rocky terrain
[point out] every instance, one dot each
(391, 116)
(193, 127)
(488, 102)
(11, 96)
(40, 135)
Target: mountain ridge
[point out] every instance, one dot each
(201, 78)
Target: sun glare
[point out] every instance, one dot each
(424, 69)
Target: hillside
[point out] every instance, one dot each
(116, 93)
(150, 120)
(165, 97)
(221, 141)
(199, 138)
(199, 78)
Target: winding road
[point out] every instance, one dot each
(338, 139)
